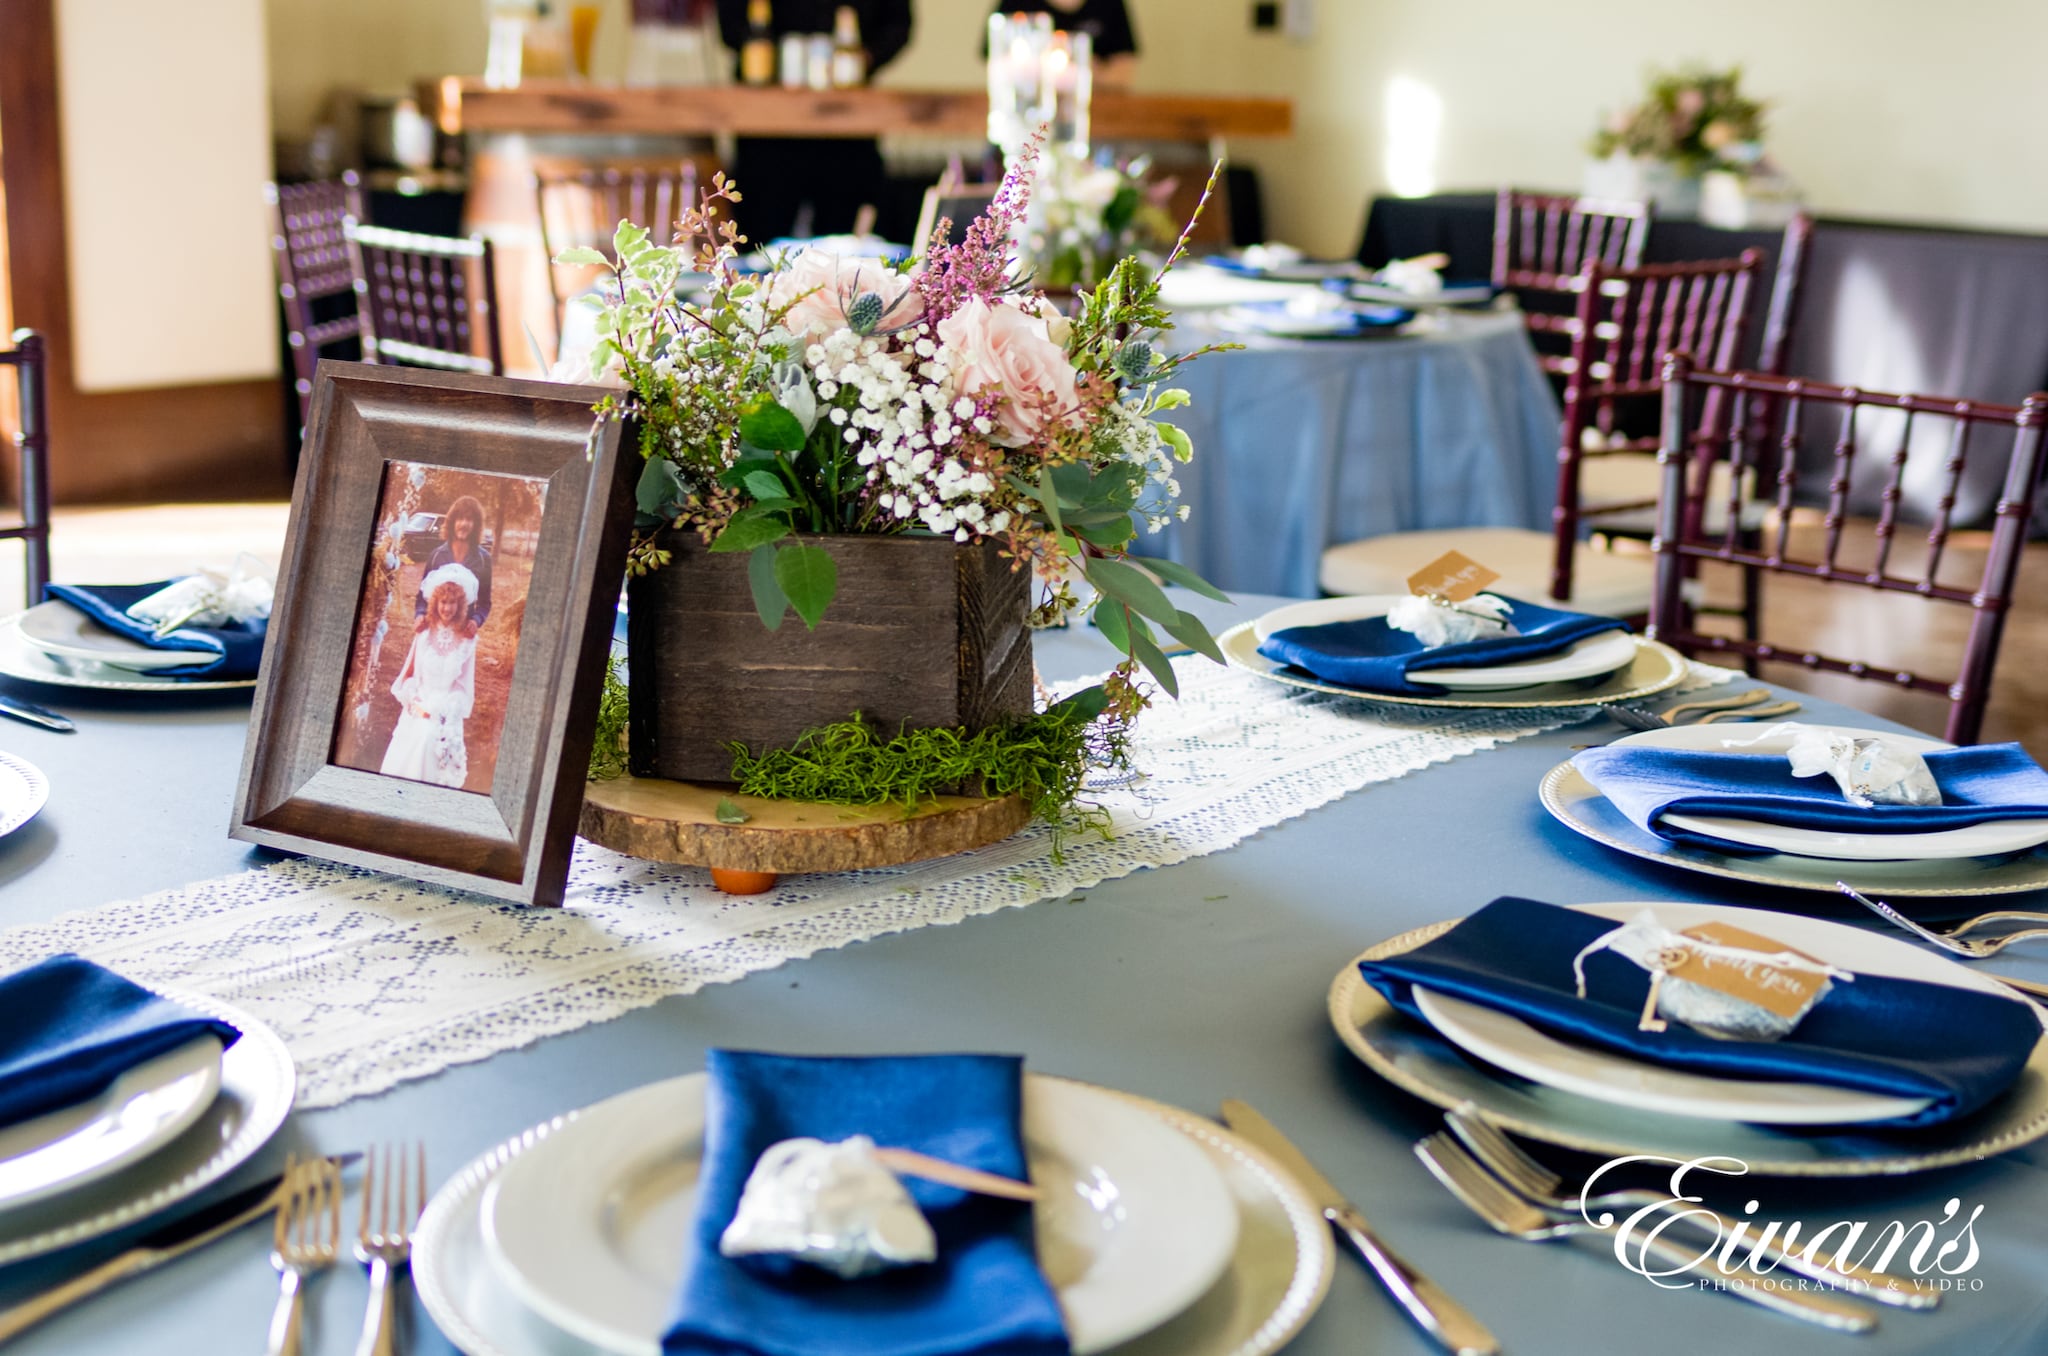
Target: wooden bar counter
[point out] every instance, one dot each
(466, 104)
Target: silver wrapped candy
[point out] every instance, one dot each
(833, 1205)
(1871, 770)
(1437, 621)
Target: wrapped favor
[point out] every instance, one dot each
(833, 1205)
(1871, 770)
(1719, 980)
(1437, 621)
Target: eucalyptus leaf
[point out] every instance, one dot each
(1114, 622)
(660, 488)
(769, 601)
(1047, 500)
(1070, 482)
(1086, 704)
(1173, 572)
(725, 812)
(771, 428)
(1155, 661)
(1188, 629)
(809, 577)
(1129, 584)
(744, 534)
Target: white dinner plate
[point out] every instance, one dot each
(1273, 1284)
(63, 632)
(19, 659)
(24, 790)
(591, 1228)
(1588, 658)
(1518, 1047)
(255, 1094)
(138, 1113)
(1973, 840)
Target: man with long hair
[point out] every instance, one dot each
(462, 543)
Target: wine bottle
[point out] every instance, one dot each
(757, 55)
(849, 58)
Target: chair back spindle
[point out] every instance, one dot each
(314, 281)
(584, 208)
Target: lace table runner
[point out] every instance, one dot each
(373, 979)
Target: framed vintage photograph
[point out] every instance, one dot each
(450, 580)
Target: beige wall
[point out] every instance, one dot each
(1880, 107)
(163, 175)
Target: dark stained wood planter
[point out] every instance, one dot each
(923, 631)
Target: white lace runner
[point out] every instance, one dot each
(373, 979)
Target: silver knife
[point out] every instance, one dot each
(1436, 1313)
(165, 1244)
(32, 714)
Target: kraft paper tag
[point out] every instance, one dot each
(1453, 577)
(1782, 990)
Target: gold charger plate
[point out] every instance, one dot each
(1417, 1060)
(1578, 805)
(1656, 668)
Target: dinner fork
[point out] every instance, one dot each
(307, 1234)
(387, 1248)
(1953, 941)
(1520, 1218)
(1527, 1177)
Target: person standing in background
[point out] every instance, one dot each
(833, 176)
(1107, 23)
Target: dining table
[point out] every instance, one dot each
(1187, 983)
(1304, 444)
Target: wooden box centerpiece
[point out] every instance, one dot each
(923, 631)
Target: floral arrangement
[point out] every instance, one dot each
(1695, 120)
(1087, 214)
(847, 395)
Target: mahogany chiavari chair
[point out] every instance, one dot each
(1545, 243)
(585, 206)
(30, 360)
(425, 300)
(1627, 320)
(314, 280)
(1858, 429)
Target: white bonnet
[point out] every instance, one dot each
(451, 573)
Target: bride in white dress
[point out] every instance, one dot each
(436, 688)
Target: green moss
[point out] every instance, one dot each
(608, 749)
(1042, 758)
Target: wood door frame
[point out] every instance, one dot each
(219, 440)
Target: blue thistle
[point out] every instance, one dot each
(1133, 362)
(865, 314)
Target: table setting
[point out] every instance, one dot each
(202, 632)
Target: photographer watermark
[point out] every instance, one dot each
(1926, 1254)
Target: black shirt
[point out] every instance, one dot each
(1106, 22)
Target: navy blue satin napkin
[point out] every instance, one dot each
(221, 653)
(72, 1027)
(1898, 1037)
(984, 1296)
(1370, 655)
(1979, 784)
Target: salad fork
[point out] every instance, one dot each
(307, 1235)
(1527, 1177)
(1521, 1218)
(387, 1248)
(1953, 941)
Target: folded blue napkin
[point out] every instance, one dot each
(1897, 1037)
(984, 1295)
(221, 653)
(72, 1028)
(1370, 655)
(1281, 320)
(1979, 784)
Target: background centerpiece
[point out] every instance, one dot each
(919, 463)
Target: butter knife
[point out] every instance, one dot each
(1436, 1313)
(152, 1250)
(30, 713)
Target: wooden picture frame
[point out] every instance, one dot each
(309, 781)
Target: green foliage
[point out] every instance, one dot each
(809, 577)
(726, 812)
(1042, 758)
(608, 748)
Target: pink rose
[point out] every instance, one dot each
(833, 282)
(1007, 348)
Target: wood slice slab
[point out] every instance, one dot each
(667, 821)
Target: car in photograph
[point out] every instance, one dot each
(422, 535)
